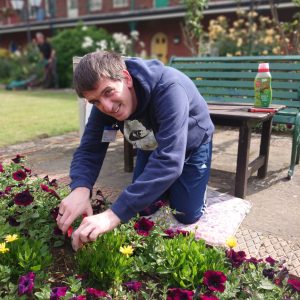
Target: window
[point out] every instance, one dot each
(95, 5)
(120, 3)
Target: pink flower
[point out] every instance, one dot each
(143, 226)
(215, 280)
(208, 297)
(19, 175)
(96, 293)
(24, 198)
(26, 284)
(1, 168)
(58, 292)
(179, 294)
(133, 285)
(295, 283)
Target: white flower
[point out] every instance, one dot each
(102, 45)
(84, 28)
(134, 35)
(88, 42)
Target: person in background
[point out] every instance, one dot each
(49, 61)
(160, 111)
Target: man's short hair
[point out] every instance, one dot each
(95, 65)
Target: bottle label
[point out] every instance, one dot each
(263, 92)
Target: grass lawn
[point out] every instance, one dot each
(27, 115)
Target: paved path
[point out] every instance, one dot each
(271, 228)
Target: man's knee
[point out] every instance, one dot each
(188, 218)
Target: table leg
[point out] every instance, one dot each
(128, 156)
(265, 147)
(241, 178)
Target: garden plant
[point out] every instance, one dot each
(142, 259)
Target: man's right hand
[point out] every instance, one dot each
(71, 207)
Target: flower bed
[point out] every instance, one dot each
(138, 260)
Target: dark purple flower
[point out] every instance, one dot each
(254, 260)
(24, 198)
(295, 283)
(53, 183)
(270, 260)
(236, 258)
(19, 175)
(46, 189)
(269, 273)
(179, 294)
(160, 203)
(172, 233)
(58, 292)
(13, 222)
(17, 159)
(133, 285)
(54, 212)
(208, 297)
(1, 168)
(96, 293)
(143, 226)
(57, 231)
(215, 280)
(28, 171)
(80, 297)
(26, 284)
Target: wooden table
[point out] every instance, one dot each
(237, 115)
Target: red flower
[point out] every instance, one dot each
(54, 212)
(271, 261)
(1, 168)
(208, 297)
(215, 280)
(133, 285)
(179, 294)
(254, 260)
(8, 189)
(27, 170)
(295, 283)
(24, 198)
(17, 159)
(46, 189)
(172, 233)
(96, 293)
(19, 175)
(143, 226)
(236, 258)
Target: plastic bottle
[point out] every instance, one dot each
(262, 86)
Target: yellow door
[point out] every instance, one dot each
(159, 47)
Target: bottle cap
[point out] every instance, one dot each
(263, 67)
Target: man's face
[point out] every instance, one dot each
(115, 98)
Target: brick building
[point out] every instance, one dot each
(157, 21)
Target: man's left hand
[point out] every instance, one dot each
(93, 226)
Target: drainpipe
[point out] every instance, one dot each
(132, 25)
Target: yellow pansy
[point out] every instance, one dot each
(3, 248)
(231, 242)
(11, 238)
(126, 250)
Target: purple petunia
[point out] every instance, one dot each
(270, 260)
(58, 292)
(269, 273)
(24, 198)
(26, 284)
(236, 258)
(17, 159)
(172, 233)
(179, 294)
(295, 283)
(19, 175)
(143, 226)
(133, 285)
(208, 297)
(215, 280)
(97, 293)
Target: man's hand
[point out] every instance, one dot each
(93, 226)
(73, 206)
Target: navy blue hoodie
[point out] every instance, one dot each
(170, 106)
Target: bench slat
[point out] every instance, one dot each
(245, 84)
(234, 66)
(240, 75)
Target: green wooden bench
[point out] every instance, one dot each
(231, 79)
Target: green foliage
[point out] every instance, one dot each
(68, 43)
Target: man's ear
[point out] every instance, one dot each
(128, 78)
